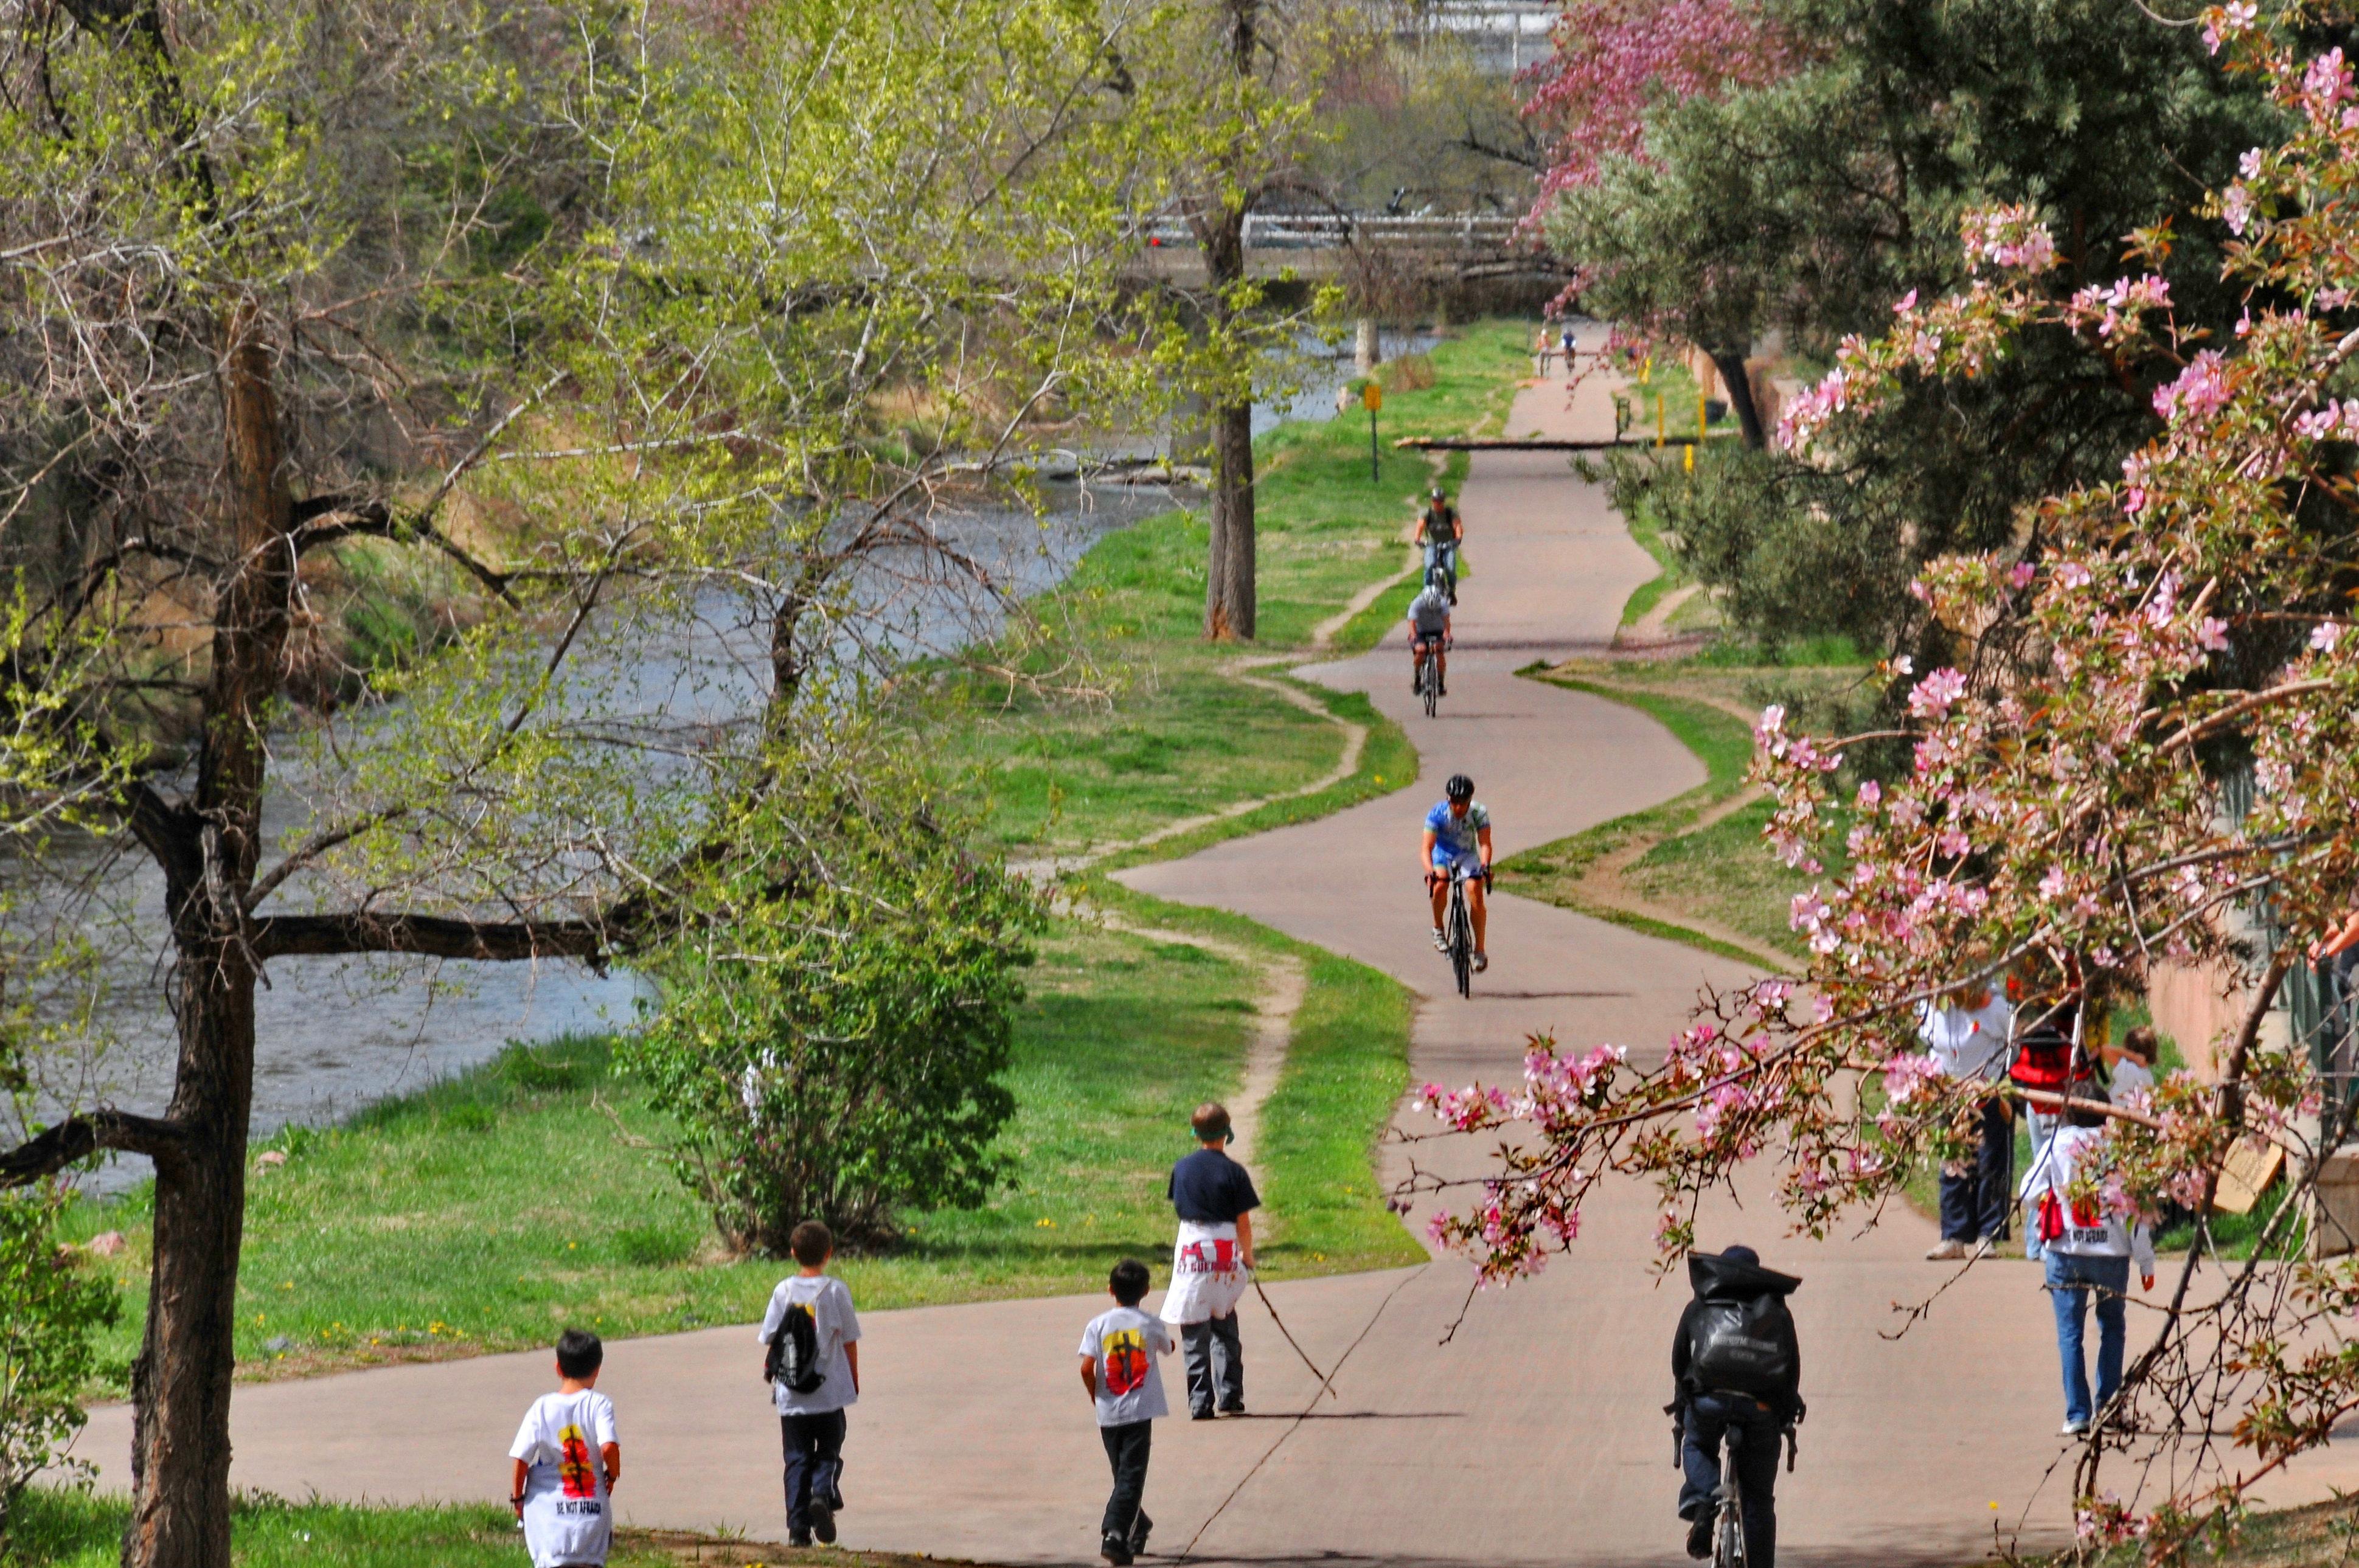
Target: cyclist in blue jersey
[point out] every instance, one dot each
(1458, 834)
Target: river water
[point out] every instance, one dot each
(335, 1035)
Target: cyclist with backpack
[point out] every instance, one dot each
(811, 1361)
(1440, 531)
(1735, 1365)
(1458, 837)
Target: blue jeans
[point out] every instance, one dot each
(1975, 1200)
(1707, 1416)
(1446, 555)
(814, 1446)
(2071, 1277)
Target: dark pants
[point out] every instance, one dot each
(1707, 1416)
(814, 1446)
(1213, 1361)
(1976, 1201)
(1125, 1449)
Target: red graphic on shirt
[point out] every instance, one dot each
(1127, 1366)
(574, 1463)
(1223, 1262)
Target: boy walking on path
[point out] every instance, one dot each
(1210, 1265)
(567, 1462)
(1120, 1369)
(813, 1366)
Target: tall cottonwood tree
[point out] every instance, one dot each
(604, 308)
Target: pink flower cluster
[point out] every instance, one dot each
(2008, 238)
(2200, 391)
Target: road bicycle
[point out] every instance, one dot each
(1728, 1506)
(1428, 676)
(1459, 932)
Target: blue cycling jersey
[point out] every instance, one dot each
(1455, 834)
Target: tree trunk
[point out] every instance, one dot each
(1229, 570)
(1730, 362)
(180, 1383)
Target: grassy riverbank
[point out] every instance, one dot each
(66, 1530)
(484, 1212)
(1172, 734)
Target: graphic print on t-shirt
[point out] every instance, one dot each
(1127, 1366)
(574, 1463)
(1192, 1257)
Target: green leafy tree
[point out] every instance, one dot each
(47, 1352)
(832, 1050)
(671, 332)
(1810, 203)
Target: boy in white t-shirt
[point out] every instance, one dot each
(1120, 1369)
(567, 1462)
(810, 1398)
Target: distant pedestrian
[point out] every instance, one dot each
(2087, 1248)
(1967, 1033)
(1571, 348)
(1120, 1368)
(814, 1368)
(1544, 346)
(567, 1460)
(2131, 1066)
(1212, 1263)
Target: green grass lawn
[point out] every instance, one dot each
(489, 1211)
(486, 1212)
(71, 1530)
(1179, 737)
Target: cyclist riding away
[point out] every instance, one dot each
(1440, 529)
(1458, 837)
(1428, 633)
(1735, 1364)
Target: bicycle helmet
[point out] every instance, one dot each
(1438, 494)
(1460, 787)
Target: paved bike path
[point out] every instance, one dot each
(1533, 1435)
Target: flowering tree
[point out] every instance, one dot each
(2063, 818)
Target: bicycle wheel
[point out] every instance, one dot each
(1432, 690)
(1461, 940)
(1728, 1523)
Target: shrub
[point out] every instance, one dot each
(830, 1047)
(53, 1307)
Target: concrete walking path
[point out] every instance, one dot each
(1531, 1436)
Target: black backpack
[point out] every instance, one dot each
(1744, 1347)
(793, 1358)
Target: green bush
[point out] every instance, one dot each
(832, 1042)
(53, 1308)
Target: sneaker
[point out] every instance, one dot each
(1947, 1250)
(1115, 1549)
(2073, 1429)
(1232, 1410)
(1442, 688)
(1441, 941)
(1700, 1536)
(798, 1540)
(1138, 1531)
(1199, 1415)
(1482, 960)
(823, 1523)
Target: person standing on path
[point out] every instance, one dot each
(1967, 1033)
(1212, 1263)
(816, 1359)
(2087, 1248)
(1121, 1370)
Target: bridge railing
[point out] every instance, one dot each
(1321, 230)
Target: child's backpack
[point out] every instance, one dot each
(792, 1356)
(1745, 1345)
(2045, 1058)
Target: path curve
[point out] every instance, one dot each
(1533, 1435)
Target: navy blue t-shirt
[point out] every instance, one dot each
(1210, 1188)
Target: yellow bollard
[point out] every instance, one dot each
(1691, 463)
